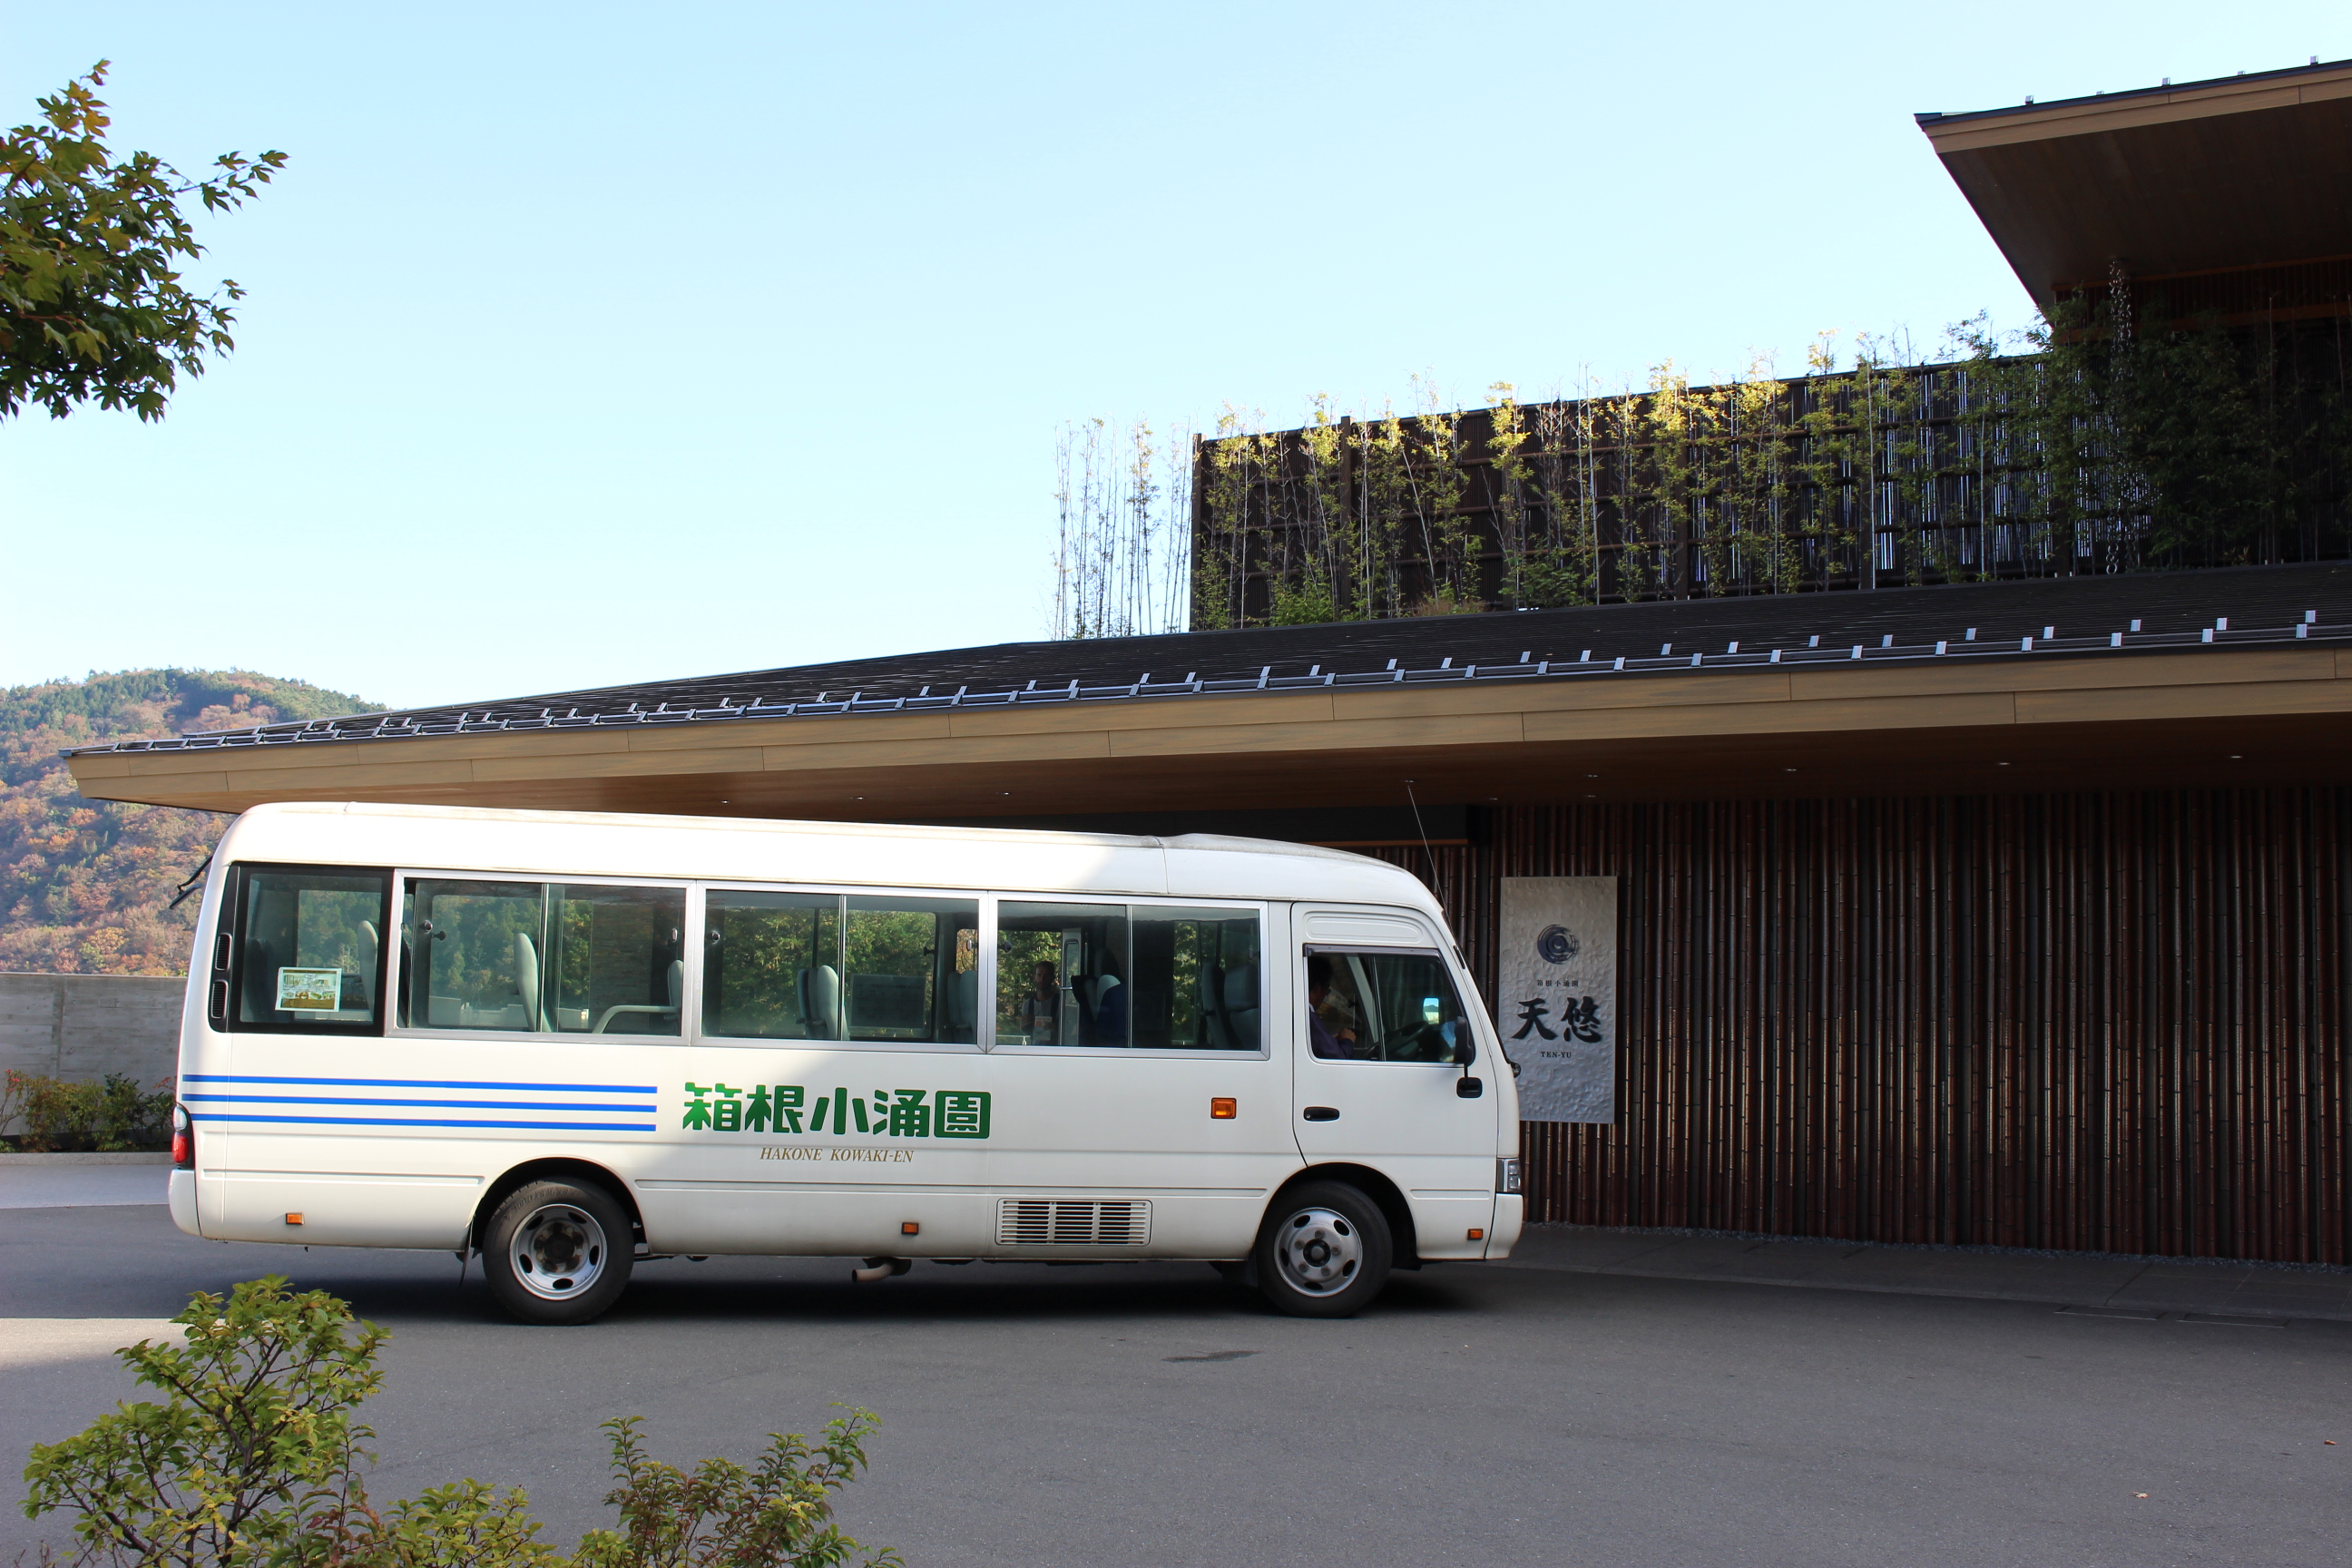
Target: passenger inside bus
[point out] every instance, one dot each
(1039, 1007)
(1338, 1044)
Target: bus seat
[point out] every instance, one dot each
(820, 1001)
(1102, 1012)
(963, 1003)
(675, 983)
(1239, 1006)
(1218, 1027)
(526, 963)
(260, 979)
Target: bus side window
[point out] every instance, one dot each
(1061, 973)
(772, 966)
(543, 958)
(1197, 979)
(615, 960)
(911, 968)
(473, 950)
(1152, 976)
(309, 949)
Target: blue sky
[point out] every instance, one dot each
(596, 343)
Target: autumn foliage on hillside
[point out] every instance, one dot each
(84, 884)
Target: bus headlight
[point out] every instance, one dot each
(1507, 1176)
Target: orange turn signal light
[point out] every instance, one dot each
(293, 1219)
(1221, 1109)
(910, 1228)
(1477, 1234)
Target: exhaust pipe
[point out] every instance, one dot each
(879, 1268)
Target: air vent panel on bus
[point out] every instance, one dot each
(1067, 1222)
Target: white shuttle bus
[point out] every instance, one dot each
(570, 1044)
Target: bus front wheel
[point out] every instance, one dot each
(1324, 1252)
(557, 1252)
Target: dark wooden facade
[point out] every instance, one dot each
(2102, 1022)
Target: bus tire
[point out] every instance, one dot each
(557, 1252)
(1324, 1251)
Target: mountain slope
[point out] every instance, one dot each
(84, 883)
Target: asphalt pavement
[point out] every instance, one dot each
(1150, 1415)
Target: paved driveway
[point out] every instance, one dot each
(1146, 1414)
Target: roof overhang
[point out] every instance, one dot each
(2214, 716)
(2240, 173)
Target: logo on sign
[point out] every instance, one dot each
(1556, 944)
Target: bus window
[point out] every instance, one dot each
(309, 949)
(616, 960)
(1155, 977)
(1389, 1005)
(911, 968)
(1061, 974)
(772, 966)
(1196, 978)
(472, 955)
(536, 958)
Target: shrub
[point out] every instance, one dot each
(251, 1457)
(725, 1516)
(61, 1115)
(253, 1460)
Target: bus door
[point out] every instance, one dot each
(1380, 1024)
(1136, 1109)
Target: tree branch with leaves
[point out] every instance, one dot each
(93, 306)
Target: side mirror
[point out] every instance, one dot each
(1465, 1046)
(1469, 1088)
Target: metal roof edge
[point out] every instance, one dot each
(389, 727)
(2164, 90)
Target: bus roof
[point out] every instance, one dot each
(762, 849)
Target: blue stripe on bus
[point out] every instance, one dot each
(426, 1083)
(427, 1122)
(435, 1104)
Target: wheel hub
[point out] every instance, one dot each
(1318, 1251)
(558, 1251)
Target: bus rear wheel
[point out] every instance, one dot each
(1324, 1251)
(557, 1252)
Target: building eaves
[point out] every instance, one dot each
(2101, 99)
(2123, 615)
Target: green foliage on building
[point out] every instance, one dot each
(2121, 439)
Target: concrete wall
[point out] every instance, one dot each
(87, 1025)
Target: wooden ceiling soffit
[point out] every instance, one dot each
(2224, 175)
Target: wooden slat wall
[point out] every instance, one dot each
(2105, 1022)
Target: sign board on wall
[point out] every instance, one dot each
(1556, 994)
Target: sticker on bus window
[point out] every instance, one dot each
(309, 990)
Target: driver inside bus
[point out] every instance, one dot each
(1339, 1044)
